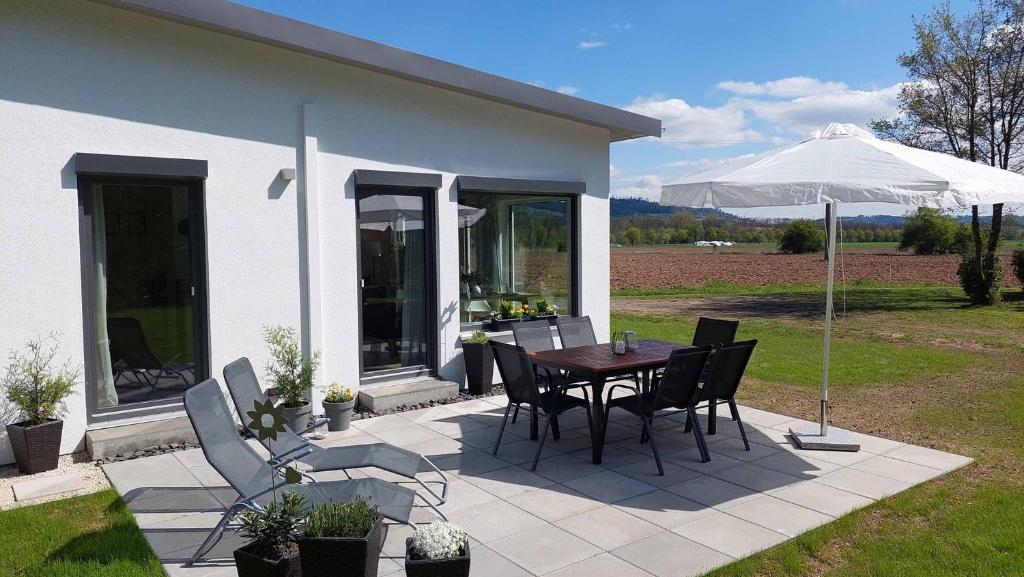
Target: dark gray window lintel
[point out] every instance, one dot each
(144, 166)
(401, 179)
(519, 185)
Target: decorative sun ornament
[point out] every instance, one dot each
(259, 423)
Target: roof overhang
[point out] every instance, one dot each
(267, 28)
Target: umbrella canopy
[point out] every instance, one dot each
(845, 163)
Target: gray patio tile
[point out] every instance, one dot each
(664, 509)
(509, 481)
(488, 563)
(454, 426)
(190, 457)
(159, 471)
(427, 414)
(408, 436)
(617, 432)
(469, 462)
(494, 520)
(756, 477)
(608, 527)
(779, 515)
(733, 447)
(612, 456)
(484, 438)
(842, 458)
(928, 457)
(575, 440)
(609, 486)
(759, 417)
(45, 486)
(387, 566)
(497, 400)
(394, 542)
(797, 464)
(472, 406)
(730, 535)
(897, 469)
(647, 472)
(377, 424)
(179, 570)
(876, 445)
(822, 498)
(690, 459)
(543, 550)
(567, 466)
(669, 555)
(437, 448)
(603, 565)
(348, 438)
(553, 503)
(713, 492)
(522, 451)
(862, 483)
(463, 495)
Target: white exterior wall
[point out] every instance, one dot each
(80, 77)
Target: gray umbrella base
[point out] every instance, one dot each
(809, 437)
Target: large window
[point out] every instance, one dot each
(516, 248)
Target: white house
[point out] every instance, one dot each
(177, 174)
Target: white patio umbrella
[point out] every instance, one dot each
(843, 163)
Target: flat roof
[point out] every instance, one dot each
(290, 34)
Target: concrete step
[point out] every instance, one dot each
(130, 438)
(411, 392)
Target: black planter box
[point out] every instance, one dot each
(506, 324)
(479, 360)
(342, 557)
(36, 447)
(249, 564)
(457, 567)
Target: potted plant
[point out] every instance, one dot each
(479, 359)
(545, 310)
(38, 389)
(292, 374)
(508, 312)
(274, 529)
(440, 549)
(338, 405)
(342, 540)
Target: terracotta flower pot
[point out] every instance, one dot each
(36, 447)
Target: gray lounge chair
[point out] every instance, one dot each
(251, 476)
(289, 446)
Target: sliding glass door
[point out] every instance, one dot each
(396, 280)
(148, 315)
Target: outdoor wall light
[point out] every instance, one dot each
(287, 174)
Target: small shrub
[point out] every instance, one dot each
(275, 529)
(802, 236)
(1018, 265)
(930, 231)
(290, 370)
(337, 394)
(438, 540)
(34, 386)
(351, 520)
(478, 338)
(968, 273)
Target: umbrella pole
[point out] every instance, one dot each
(820, 437)
(831, 209)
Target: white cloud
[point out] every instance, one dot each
(807, 113)
(591, 44)
(567, 89)
(791, 87)
(647, 186)
(614, 171)
(687, 125)
(621, 27)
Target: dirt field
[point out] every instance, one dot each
(665, 267)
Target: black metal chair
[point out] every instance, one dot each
(534, 336)
(679, 389)
(130, 355)
(728, 364)
(579, 332)
(522, 385)
(714, 332)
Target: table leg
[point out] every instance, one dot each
(534, 425)
(713, 417)
(597, 417)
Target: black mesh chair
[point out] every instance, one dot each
(678, 389)
(130, 355)
(534, 336)
(522, 385)
(723, 380)
(714, 332)
(579, 332)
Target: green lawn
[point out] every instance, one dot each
(94, 535)
(910, 363)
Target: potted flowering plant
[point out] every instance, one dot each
(507, 313)
(292, 374)
(342, 540)
(272, 529)
(39, 391)
(479, 359)
(440, 549)
(544, 309)
(338, 405)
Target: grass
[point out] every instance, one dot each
(915, 364)
(93, 535)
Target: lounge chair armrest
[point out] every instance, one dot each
(290, 456)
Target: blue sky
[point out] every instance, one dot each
(727, 77)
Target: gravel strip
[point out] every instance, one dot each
(77, 463)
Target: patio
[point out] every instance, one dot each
(572, 517)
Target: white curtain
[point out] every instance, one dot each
(106, 393)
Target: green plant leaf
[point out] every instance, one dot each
(291, 476)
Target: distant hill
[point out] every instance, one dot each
(636, 207)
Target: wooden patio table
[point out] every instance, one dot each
(597, 363)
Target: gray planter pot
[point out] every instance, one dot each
(36, 447)
(340, 415)
(298, 417)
